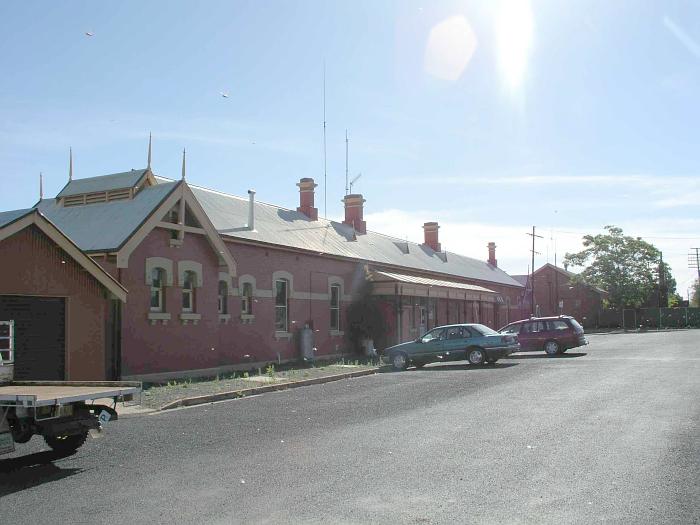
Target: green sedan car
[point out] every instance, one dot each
(475, 343)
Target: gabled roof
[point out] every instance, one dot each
(6, 217)
(289, 228)
(25, 218)
(115, 181)
(105, 226)
(567, 274)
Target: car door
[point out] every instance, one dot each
(431, 345)
(536, 334)
(455, 343)
(528, 335)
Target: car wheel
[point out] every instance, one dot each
(552, 348)
(66, 444)
(476, 356)
(399, 361)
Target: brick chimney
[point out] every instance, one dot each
(353, 212)
(430, 232)
(492, 254)
(306, 198)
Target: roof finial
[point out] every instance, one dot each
(149, 152)
(70, 165)
(41, 186)
(183, 163)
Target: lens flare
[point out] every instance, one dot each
(514, 31)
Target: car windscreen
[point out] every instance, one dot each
(483, 330)
(577, 327)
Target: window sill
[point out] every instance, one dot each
(283, 335)
(187, 317)
(336, 333)
(154, 317)
(224, 318)
(175, 243)
(247, 318)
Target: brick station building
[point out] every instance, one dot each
(218, 282)
(557, 293)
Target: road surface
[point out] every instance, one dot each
(608, 433)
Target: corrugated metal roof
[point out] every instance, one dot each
(522, 279)
(429, 282)
(290, 228)
(105, 226)
(115, 181)
(6, 217)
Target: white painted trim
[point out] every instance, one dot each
(159, 262)
(139, 235)
(189, 266)
(212, 235)
(283, 335)
(247, 278)
(226, 277)
(283, 274)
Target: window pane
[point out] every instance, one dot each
(5, 344)
(155, 298)
(335, 296)
(186, 300)
(189, 280)
(281, 319)
(156, 277)
(281, 293)
(4, 330)
(335, 319)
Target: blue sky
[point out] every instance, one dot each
(488, 117)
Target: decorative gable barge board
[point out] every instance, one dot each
(180, 192)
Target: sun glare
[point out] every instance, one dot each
(450, 47)
(514, 30)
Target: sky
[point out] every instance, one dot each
(489, 117)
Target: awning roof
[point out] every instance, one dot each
(413, 279)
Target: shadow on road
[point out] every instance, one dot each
(25, 472)
(545, 356)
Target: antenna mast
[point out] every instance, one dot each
(346, 162)
(325, 174)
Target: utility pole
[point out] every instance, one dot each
(663, 293)
(532, 275)
(694, 260)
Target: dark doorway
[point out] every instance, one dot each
(40, 335)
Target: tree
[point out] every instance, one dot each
(626, 267)
(364, 317)
(695, 297)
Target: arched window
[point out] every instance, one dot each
(223, 297)
(247, 299)
(157, 290)
(188, 284)
(281, 305)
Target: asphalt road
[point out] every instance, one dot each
(609, 434)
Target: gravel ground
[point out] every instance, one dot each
(156, 396)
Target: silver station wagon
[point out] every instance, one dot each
(475, 343)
